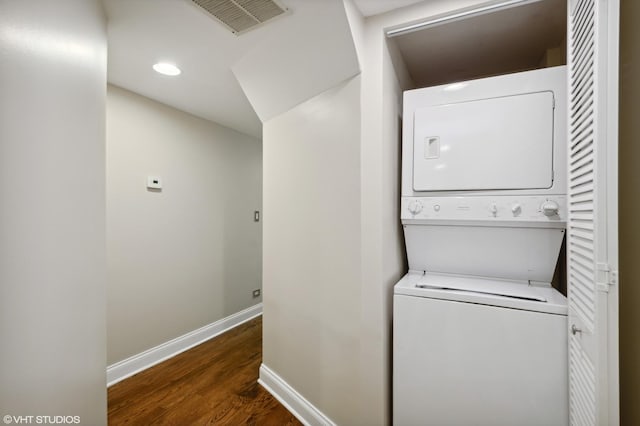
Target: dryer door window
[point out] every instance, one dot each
(487, 144)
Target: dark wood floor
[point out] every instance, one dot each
(211, 384)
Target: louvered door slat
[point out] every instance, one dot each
(581, 169)
(581, 143)
(580, 10)
(583, 61)
(582, 160)
(582, 66)
(583, 374)
(582, 178)
(583, 242)
(582, 118)
(584, 235)
(583, 299)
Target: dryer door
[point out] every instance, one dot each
(486, 144)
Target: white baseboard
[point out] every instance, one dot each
(137, 363)
(306, 412)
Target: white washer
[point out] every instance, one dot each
(465, 355)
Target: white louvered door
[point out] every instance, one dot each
(592, 193)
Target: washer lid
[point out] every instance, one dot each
(484, 291)
(505, 252)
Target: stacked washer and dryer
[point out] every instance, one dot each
(480, 332)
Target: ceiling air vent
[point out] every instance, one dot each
(241, 15)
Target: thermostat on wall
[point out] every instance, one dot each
(154, 182)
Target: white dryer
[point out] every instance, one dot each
(479, 333)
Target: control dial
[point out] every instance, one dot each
(516, 209)
(550, 208)
(493, 208)
(415, 207)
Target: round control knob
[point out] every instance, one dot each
(516, 209)
(436, 207)
(550, 208)
(493, 209)
(415, 207)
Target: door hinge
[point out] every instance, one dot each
(605, 277)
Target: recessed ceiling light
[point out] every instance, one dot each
(166, 68)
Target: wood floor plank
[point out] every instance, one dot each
(214, 383)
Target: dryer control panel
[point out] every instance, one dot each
(517, 209)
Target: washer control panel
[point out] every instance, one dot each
(524, 208)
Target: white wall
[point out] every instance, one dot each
(52, 220)
(333, 244)
(189, 255)
(311, 329)
(382, 249)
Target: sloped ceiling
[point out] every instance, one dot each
(299, 62)
(279, 64)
